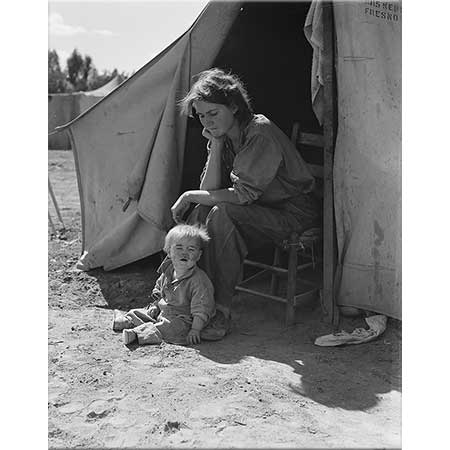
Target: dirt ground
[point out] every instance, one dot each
(261, 386)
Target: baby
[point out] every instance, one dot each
(183, 295)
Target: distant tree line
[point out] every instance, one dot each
(79, 74)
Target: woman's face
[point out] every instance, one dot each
(218, 119)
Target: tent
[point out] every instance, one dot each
(106, 88)
(62, 108)
(134, 148)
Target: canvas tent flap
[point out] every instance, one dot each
(90, 98)
(105, 89)
(367, 165)
(313, 30)
(131, 144)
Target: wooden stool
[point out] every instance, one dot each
(307, 245)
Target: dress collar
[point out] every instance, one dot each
(242, 136)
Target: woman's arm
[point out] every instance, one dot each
(212, 176)
(202, 197)
(212, 197)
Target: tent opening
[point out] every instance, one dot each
(267, 48)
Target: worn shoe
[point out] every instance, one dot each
(218, 328)
(128, 336)
(120, 322)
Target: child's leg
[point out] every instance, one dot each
(139, 316)
(128, 336)
(121, 321)
(131, 319)
(173, 330)
(147, 333)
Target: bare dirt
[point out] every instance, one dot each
(261, 386)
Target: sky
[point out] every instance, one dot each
(118, 34)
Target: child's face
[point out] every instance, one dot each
(184, 253)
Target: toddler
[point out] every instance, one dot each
(183, 295)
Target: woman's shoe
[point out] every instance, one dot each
(218, 327)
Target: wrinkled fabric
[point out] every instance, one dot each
(154, 331)
(188, 296)
(267, 166)
(148, 334)
(313, 30)
(178, 300)
(236, 228)
(367, 160)
(377, 326)
(275, 187)
(131, 145)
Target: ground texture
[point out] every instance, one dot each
(262, 386)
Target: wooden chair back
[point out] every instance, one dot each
(310, 146)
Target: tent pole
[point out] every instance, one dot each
(329, 124)
(51, 223)
(55, 203)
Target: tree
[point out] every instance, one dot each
(78, 69)
(56, 78)
(87, 67)
(79, 74)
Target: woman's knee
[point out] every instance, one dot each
(198, 215)
(224, 210)
(218, 217)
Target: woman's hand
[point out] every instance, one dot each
(179, 208)
(206, 134)
(214, 141)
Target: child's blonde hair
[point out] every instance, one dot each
(192, 231)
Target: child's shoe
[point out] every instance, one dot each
(128, 336)
(120, 322)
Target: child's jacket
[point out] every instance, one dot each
(189, 296)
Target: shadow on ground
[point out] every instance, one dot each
(350, 377)
(130, 286)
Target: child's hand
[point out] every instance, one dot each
(193, 337)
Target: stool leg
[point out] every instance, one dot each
(292, 280)
(274, 279)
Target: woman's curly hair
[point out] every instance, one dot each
(216, 86)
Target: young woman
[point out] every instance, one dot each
(255, 186)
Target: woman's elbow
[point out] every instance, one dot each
(244, 198)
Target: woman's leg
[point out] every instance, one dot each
(223, 257)
(229, 227)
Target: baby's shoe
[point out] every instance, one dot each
(120, 322)
(128, 336)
